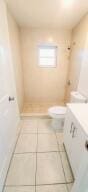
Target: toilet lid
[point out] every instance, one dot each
(58, 110)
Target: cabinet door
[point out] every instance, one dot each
(78, 146)
(74, 140)
(68, 129)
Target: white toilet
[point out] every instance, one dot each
(58, 112)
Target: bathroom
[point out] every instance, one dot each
(43, 95)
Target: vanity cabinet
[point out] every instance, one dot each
(74, 141)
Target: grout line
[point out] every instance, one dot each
(10, 186)
(67, 187)
(28, 133)
(63, 167)
(36, 155)
(25, 153)
(35, 152)
(63, 183)
(69, 163)
(12, 157)
(62, 164)
(64, 172)
(40, 133)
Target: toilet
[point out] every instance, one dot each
(57, 113)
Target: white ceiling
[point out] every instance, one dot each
(48, 13)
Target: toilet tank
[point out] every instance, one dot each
(76, 97)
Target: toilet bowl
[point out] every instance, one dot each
(57, 113)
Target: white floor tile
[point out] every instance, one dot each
(67, 169)
(22, 170)
(52, 188)
(47, 142)
(60, 140)
(26, 143)
(44, 126)
(19, 189)
(49, 168)
(49, 165)
(29, 126)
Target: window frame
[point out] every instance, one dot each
(47, 47)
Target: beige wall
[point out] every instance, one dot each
(83, 80)
(44, 84)
(14, 34)
(77, 49)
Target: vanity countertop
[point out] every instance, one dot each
(80, 111)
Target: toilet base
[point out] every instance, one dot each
(57, 124)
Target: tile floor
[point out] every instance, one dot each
(39, 163)
(38, 108)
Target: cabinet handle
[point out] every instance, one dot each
(72, 124)
(73, 135)
(86, 145)
(74, 130)
(11, 99)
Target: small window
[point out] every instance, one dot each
(47, 56)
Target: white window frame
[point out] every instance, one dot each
(55, 57)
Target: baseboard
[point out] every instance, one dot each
(6, 162)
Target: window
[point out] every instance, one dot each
(47, 56)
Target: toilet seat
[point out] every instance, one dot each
(57, 112)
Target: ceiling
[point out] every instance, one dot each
(48, 13)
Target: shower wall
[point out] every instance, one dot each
(78, 66)
(44, 85)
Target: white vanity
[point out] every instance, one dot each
(76, 134)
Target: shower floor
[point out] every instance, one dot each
(42, 109)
